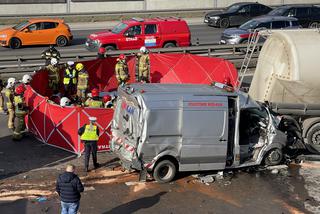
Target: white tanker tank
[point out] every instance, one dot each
(288, 76)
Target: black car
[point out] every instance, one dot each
(307, 15)
(236, 14)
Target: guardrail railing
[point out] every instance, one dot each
(234, 53)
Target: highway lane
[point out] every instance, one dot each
(200, 34)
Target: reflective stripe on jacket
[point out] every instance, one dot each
(94, 103)
(122, 70)
(9, 98)
(82, 80)
(90, 133)
(66, 79)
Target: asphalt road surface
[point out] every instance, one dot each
(28, 171)
(201, 34)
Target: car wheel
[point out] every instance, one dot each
(164, 171)
(110, 48)
(313, 139)
(15, 43)
(314, 25)
(169, 45)
(62, 41)
(273, 157)
(224, 23)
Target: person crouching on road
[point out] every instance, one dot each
(121, 70)
(90, 136)
(21, 111)
(69, 187)
(94, 101)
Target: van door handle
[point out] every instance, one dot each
(222, 140)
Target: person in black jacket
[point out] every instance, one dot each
(69, 187)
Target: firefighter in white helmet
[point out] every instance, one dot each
(65, 101)
(53, 75)
(9, 96)
(143, 65)
(1, 97)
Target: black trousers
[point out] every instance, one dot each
(90, 147)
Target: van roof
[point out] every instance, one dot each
(157, 19)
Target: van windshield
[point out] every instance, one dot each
(119, 27)
(21, 25)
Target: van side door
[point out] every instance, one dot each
(133, 38)
(204, 134)
(151, 35)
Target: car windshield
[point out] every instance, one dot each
(119, 27)
(252, 24)
(233, 8)
(278, 12)
(21, 25)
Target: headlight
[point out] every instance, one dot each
(3, 36)
(97, 42)
(214, 17)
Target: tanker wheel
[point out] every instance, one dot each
(273, 157)
(313, 139)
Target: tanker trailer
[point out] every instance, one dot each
(287, 76)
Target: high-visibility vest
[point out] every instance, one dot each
(9, 98)
(94, 103)
(90, 134)
(122, 70)
(20, 109)
(66, 79)
(83, 80)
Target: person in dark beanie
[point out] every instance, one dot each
(69, 187)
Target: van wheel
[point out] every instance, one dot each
(61, 41)
(314, 25)
(313, 139)
(15, 43)
(273, 157)
(164, 171)
(110, 48)
(169, 45)
(224, 23)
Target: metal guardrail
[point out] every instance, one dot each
(18, 64)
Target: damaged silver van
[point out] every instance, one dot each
(166, 128)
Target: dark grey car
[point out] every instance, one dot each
(241, 35)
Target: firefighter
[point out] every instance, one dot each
(20, 112)
(82, 83)
(94, 101)
(50, 53)
(143, 65)
(70, 79)
(1, 98)
(107, 100)
(121, 70)
(101, 53)
(90, 136)
(53, 75)
(9, 96)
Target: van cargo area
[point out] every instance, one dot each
(165, 128)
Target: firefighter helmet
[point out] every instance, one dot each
(11, 82)
(20, 89)
(122, 56)
(95, 92)
(143, 49)
(70, 63)
(79, 66)
(106, 98)
(53, 61)
(26, 79)
(64, 101)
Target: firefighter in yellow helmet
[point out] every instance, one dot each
(9, 101)
(82, 83)
(94, 101)
(89, 134)
(20, 112)
(70, 79)
(53, 75)
(121, 70)
(143, 65)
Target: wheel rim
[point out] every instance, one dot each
(165, 172)
(314, 25)
(62, 41)
(224, 23)
(315, 140)
(274, 156)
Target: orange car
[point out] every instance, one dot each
(36, 32)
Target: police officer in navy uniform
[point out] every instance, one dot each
(90, 136)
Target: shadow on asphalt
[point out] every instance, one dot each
(17, 157)
(136, 205)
